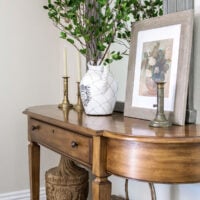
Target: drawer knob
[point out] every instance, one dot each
(35, 127)
(74, 144)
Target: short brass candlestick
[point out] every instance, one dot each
(79, 106)
(80, 117)
(65, 103)
(160, 119)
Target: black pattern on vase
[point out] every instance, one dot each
(85, 94)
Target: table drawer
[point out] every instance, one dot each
(61, 140)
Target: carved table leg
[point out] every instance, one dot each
(67, 181)
(101, 189)
(34, 170)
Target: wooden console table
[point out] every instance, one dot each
(114, 144)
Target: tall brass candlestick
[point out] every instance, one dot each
(160, 119)
(65, 103)
(79, 106)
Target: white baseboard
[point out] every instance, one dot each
(22, 195)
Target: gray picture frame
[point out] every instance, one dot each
(185, 19)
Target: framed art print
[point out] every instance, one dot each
(160, 50)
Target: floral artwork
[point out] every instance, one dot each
(155, 66)
(160, 52)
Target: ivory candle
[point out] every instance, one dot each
(65, 62)
(79, 67)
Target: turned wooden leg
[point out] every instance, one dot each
(101, 189)
(34, 170)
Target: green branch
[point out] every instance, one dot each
(92, 26)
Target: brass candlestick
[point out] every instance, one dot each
(160, 119)
(79, 106)
(65, 103)
(80, 117)
(66, 114)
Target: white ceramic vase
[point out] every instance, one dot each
(98, 90)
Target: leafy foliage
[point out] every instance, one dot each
(91, 26)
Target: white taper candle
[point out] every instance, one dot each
(79, 67)
(65, 62)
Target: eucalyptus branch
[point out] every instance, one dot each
(91, 26)
(71, 35)
(80, 15)
(104, 55)
(80, 42)
(125, 52)
(63, 7)
(121, 42)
